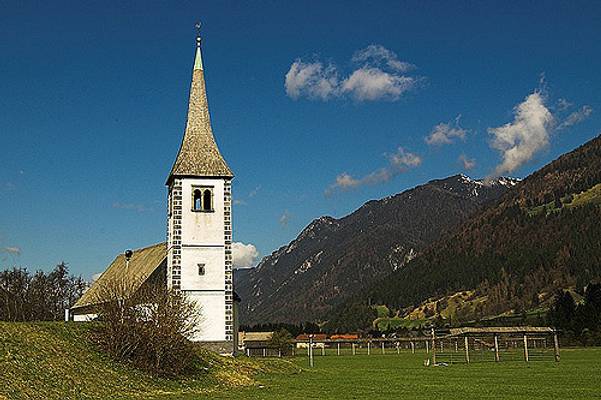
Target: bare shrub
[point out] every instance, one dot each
(282, 340)
(149, 327)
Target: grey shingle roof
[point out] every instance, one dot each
(198, 154)
(142, 264)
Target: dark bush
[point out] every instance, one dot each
(282, 340)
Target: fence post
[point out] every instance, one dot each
(433, 347)
(398, 350)
(496, 348)
(412, 348)
(467, 349)
(383, 348)
(311, 350)
(427, 346)
(368, 347)
(556, 346)
(354, 351)
(526, 358)
(337, 349)
(323, 349)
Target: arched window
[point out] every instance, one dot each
(207, 199)
(197, 200)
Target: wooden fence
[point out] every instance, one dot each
(462, 345)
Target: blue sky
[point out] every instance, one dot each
(380, 97)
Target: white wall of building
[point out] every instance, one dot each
(203, 242)
(84, 317)
(212, 315)
(202, 227)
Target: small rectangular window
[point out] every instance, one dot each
(201, 269)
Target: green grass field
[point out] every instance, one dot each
(577, 376)
(54, 361)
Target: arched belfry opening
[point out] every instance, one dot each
(207, 200)
(197, 200)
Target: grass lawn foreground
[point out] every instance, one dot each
(577, 376)
(54, 361)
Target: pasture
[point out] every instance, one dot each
(55, 361)
(392, 376)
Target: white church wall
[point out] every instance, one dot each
(200, 227)
(203, 242)
(212, 312)
(84, 317)
(213, 259)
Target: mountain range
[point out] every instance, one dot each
(333, 258)
(508, 258)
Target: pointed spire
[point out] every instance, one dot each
(198, 154)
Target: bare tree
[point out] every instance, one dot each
(148, 325)
(38, 297)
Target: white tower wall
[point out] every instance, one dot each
(203, 237)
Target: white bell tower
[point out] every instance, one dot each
(199, 231)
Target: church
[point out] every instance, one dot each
(197, 256)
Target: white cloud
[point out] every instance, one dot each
(244, 255)
(563, 104)
(520, 140)
(254, 192)
(576, 117)
(368, 84)
(284, 218)
(444, 133)
(403, 159)
(467, 163)
(311, 80)
(11, 250)
(380, 77)
(398, 162)
(375, 53)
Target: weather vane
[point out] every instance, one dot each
(197, 25)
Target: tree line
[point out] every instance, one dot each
(292, 329)
(38, 296)
(579, 322)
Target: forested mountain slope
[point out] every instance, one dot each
(543, 235)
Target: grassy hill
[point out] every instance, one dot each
(56, 361)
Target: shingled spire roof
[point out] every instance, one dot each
(198, 154)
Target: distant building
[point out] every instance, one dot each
(197, 257)
(254, 340)
(304, 338)
(345, 336)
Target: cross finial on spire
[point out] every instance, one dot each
(197, 25)
(198, 58)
